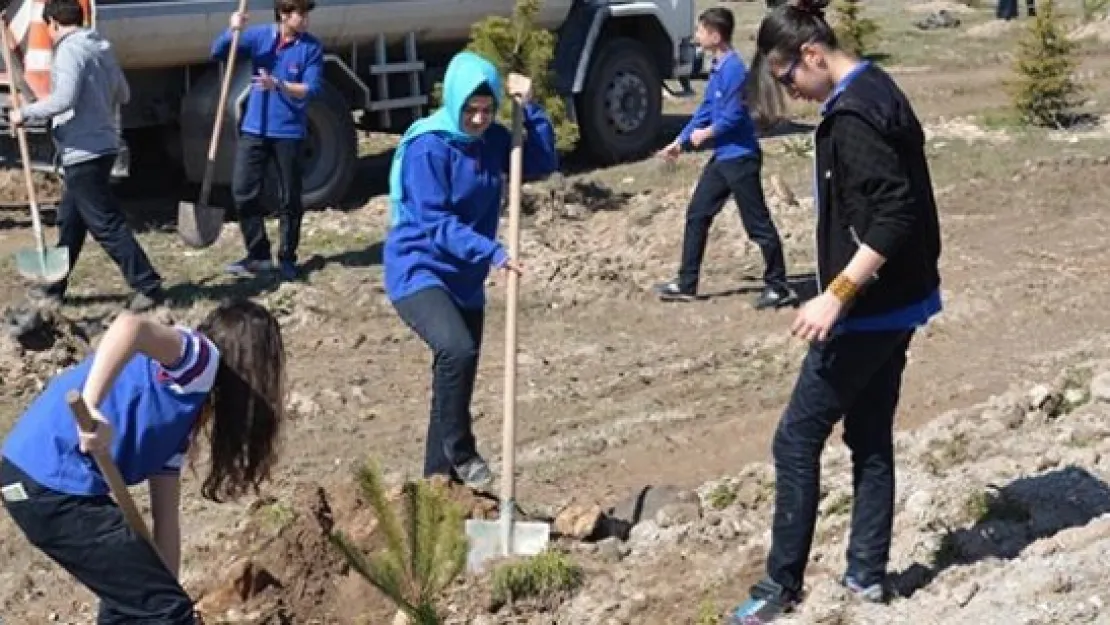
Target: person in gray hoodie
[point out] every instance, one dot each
(87, 87)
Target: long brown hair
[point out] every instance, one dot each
(782, 33)
(247, 404)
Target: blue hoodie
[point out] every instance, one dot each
(445, 190)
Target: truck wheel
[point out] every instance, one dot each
(329, 151)
(622, 103)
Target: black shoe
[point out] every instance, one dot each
(671, 292)
(776, 297)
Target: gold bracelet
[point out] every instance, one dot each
(843, 288)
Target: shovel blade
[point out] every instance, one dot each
(199, 225)
(48, 266)
(486, 540)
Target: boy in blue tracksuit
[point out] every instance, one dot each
(734, 169)
(445, 192)
(287, 64)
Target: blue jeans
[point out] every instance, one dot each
(454, 335)
(857, 377)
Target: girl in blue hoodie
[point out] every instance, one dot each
(446, 185)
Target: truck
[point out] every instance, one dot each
(382, 60)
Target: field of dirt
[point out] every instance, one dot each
(1003, 445)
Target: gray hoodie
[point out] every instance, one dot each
(86, 88)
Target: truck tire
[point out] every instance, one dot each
(622, 103)
(330, 150)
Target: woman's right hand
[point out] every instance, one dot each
(237, 21)
(100, 438)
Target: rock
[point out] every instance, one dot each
(674, 514)
(921, 506)
(579, 521)
(1100, 387)
(400, 618)
(648, 501)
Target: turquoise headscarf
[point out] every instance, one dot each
(465, 73)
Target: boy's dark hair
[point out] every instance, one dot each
(247, 404)
(64, 13)
(284, 7)
(720, 20)
(782, 33)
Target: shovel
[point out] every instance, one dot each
(505, 537)
(110, 472)
(199, 224)
(40, 265)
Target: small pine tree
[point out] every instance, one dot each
(516, 44)
(854, 33)
(425, 547)
(1045, 93)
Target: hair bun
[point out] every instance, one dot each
(817, 7)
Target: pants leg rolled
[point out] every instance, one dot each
(454, 336)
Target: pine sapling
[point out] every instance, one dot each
(425, 546)
(1046, 92)
(854, 32)
(517, 44)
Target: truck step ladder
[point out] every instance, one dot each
(382, 69)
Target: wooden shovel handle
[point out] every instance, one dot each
(109, 470)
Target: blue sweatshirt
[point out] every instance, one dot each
(446, 189)
(276, 114)
(723, 108)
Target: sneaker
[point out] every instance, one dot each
(768, 601)
(249, 266)
(142, 302)
(289, 270)
(672, 292)
(776, 297)
(874, 593)
(475, 473)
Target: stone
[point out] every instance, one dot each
(579, 520)
(1100, 387)
(674, 514)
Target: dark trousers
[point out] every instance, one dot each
(454, 335)
(89, 538)
(1008, 9)
(857, 377)
(252, 156)
(738, 177)
(89, 207)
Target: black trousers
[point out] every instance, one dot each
(89, 538)
(857, 377)
(252, 156)
(89, 207)
(739, 178)
(454, 335)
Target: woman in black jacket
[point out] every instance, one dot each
(878, 243)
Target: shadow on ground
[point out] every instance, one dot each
(1012, 517)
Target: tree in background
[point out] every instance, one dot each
(854, 33)
(1046, 92)
(516, 44)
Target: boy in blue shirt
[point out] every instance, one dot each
(288, 64)
(445, 189)
(734, 169)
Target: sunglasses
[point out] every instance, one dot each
(787, 77)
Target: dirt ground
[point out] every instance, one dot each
(616, 390)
